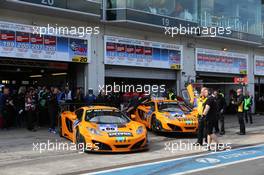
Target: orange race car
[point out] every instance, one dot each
(102, 129)
(167, 116)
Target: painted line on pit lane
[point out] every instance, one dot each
(191, 164)
(218, 166)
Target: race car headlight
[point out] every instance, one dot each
(94, 131)
(140, 130)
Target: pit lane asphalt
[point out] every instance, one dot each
(253, 167)
(193, 163)
(17, 156)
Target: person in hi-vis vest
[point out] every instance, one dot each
(239, 102)
(201, 135)
(247, 107)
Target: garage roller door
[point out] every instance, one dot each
(144, 73)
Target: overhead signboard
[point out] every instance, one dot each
(259, 65)
(19, 41)
(208, 60)
(133, 52)
(91, 7)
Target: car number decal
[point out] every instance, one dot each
(108, 127)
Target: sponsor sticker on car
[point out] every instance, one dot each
(120, 139)
(120, 134)
(188, 122)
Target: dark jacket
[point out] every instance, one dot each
(239, 101)
(221, 103)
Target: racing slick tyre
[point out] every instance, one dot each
(155, 124)
(60, 127)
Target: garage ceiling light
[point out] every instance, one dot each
(58, 74)
(35, 76)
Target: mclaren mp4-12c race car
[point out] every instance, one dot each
(102, 129)
(167, 116)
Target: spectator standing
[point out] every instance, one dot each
(43, 108)
(101, 98)
(20, 106)
(60, 96)
(239, 103)
(78, 98)
(6, 105)
(221, 107)
(115, 98)
(90, 98)
(30, 108)
(53, 109)
(67, 95)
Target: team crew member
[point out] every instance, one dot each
(135, 102)
(171, 95)
(210, 113)
(247, 108)
(239, 102)
(221, 106)
(201, 120)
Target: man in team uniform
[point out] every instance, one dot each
(201, 120)
(210, 114)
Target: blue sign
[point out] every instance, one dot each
(191, 163)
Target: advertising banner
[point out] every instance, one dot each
(221, 61)
(259, 65)
(241, 80)
(132, 52)
(19, 41)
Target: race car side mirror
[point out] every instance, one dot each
(133, 116)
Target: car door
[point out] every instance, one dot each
(71, 121)
(145, 111)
